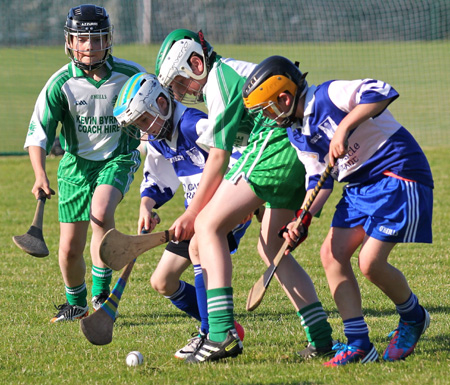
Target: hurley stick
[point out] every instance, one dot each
(98, 327)
(32, 242)
(118, 249)
(258, 290)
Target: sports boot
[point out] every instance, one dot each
(209, 350)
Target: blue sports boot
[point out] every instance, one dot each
(404, 338)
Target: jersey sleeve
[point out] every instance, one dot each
(48, 112)
(225, 108)
(160, 181)
(346, 95)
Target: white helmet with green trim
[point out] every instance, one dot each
(175, 52)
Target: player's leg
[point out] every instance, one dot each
(109, 180)
(228, 207)
(103, 206)
(166, 279)
(414, 319)
(200, 287)
(191, 298)
(73, 214)
(277, 176)
(336, 253)
(73, 269)
(296, 283)
(405, 217)
(234, 237)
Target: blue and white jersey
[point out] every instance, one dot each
(180, 160)
(376, 146)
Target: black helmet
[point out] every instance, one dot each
(272, 76)
(90, 21)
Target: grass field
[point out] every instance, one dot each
(418, 70)
(33, 351)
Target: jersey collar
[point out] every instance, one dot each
(76, 72)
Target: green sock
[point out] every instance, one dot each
(101, 280)
(77, 295)
(220, 312)
(315, 322)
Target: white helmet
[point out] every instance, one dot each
(138, 96)
(176, 50)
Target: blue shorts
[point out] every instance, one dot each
(390, 210)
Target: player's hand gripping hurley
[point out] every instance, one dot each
(258, 290)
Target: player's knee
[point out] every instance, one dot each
(71, 250)
(369, 268)
(162, 285)
(159, 284)
(326, 255)
(203, 224)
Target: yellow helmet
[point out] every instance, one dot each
(269, 79)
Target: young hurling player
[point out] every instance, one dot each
(388, 198)
(99, 162)
(268, 171)
(147, 111)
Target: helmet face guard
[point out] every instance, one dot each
(264, 97)
(139, 98)
(268, 80)
(88, 30)
(180, 91)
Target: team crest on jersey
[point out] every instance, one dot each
(328, 126)
(196, 157)
(31, 128)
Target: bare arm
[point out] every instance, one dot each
(37, 158)
(146, 220)
(361, 113)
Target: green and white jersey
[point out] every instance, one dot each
(84, 108)
(229, 123)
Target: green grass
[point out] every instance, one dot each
(418, 70)
(33, 351)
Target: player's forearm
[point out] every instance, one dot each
(361, 113)
(147, 204)
(145, 213)
(37, 158)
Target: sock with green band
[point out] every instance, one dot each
(77, 295)
(101, 280)
(220, 312)
(315, 322)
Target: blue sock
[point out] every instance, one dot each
(357, 333)
(201, 298)
(185, 299)
(411, 310)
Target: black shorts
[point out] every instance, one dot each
(182, 248)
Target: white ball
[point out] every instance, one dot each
(134, 358)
